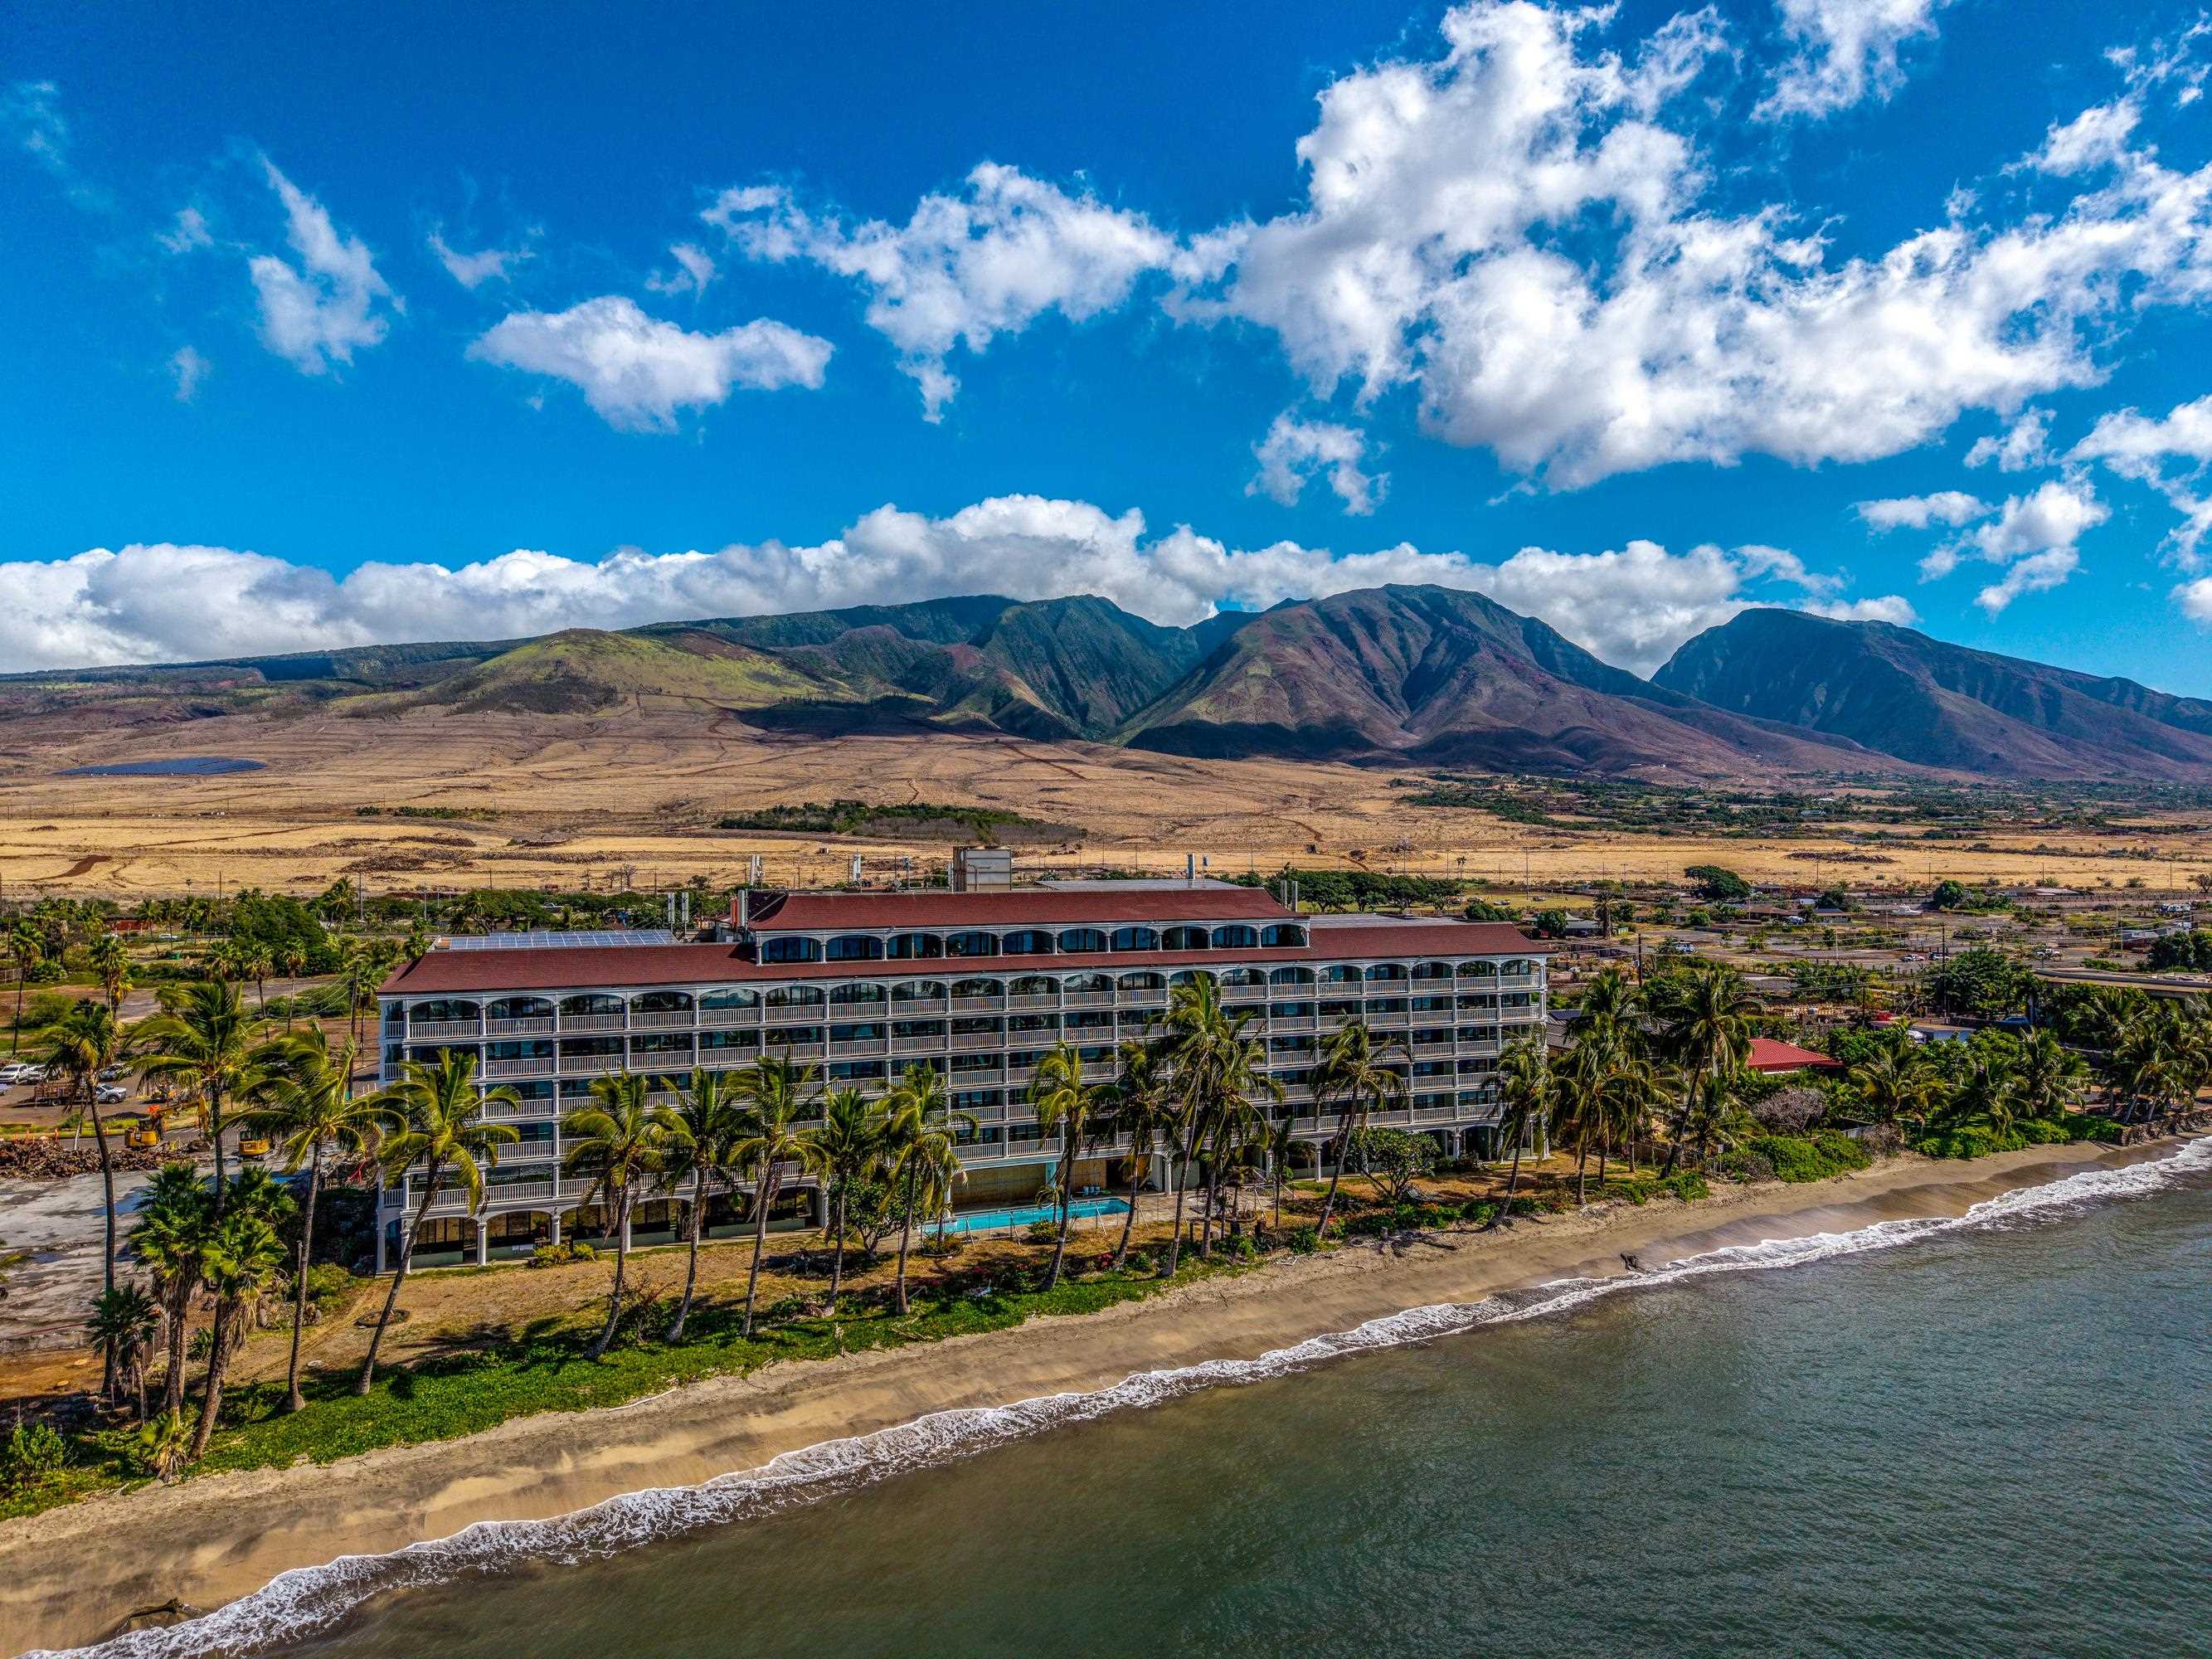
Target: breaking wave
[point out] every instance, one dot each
(307, 1599)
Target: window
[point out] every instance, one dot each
(985, 1026)
(919, 990)
(978, 1100)
(856, 1033)
(979, 988)
(788, 948)
(663, 1002)
(1184, 939)
(974, 943)
(1188, 976)
(1237, 937)
(856, 1071)
(536, 1049)
(1077, 940)
(593, 1003)
(662, 1042)
(918, 1028)
(1478, 971)
(1142, 981)
(1340, 974)
(590, 1047)
(1034, 1023)
(1027, 942)
(521, 1008)
(1432, 970)
(1086, 983)
(795, 996)
(731, 997)
(1282, 933)
(907, 947)
(1510, 968)
(863, 990)
(1292, 976)
(1033, 985)
(781, 1034)
(747, 1039)
(1245, 976)
(854, 947)
(1136, 938)
(1386, 970)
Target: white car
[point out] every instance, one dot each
(21, 1072)
(108, 1094)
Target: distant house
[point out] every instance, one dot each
(1778, 1059)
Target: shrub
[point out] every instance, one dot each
(1801, 1157)
(1480, 1212)
(1687, 1185)
(33, 1451)
(1041, 1232)
(1305, 1240)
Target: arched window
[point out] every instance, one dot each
(795, 996)
(1292, 976)
(789, 947)
(854, 947)
(973, 943)
(1245, 976)
(1386, 970)
(457, 1009)
(1145, 980)
(1090, 982)
(1478, 971)
(592, 1002)
(1283, 932)
(521, 1008)
(862, 991)
(1136, 938)
(1186, 976)
(1338, 974)
(919, 990)
(731, 996)
(1080, 940)
(979, 988)
(1521, 967)
(1432, 970)
(907, 947)
(1027, 942)
(1032, 985)
(1235, 937)
(1184, 939)
(662, 1002)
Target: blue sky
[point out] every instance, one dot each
(475, 322)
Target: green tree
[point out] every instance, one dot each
(1717, 884)
(618, 1140)
(1357, 1074)
(844, 1149)
(241, 1260)
(26, 943)
(778, 1095)
(1947, 896)
(1393, 1160)
(79, 1050)
(203, 1038)
(110, 962)
(305, 1105)
(922, 1153)
(1981, 982)
(1065, 1105)
(176, 1216)
(2051, 1075)
(702, 1128)
(439, 1124)
(1140, 1104)
(1705, 1014)
(123, 1323)
(1524, 1076)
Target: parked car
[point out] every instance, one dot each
(21, 1071)
(107, 1094)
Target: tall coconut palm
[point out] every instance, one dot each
(361, 972)
(438, 1123)
(921, 1148)
(1357, 1075)
(79, 1050)
(777, 1095)
(1524, 1074)
(2050, 1076)
(123, 1321)
(618, 1140)
(1064, 1104)
(203, 1038)
(845, 1147)
(305, 1105)
(292, 957)
(1705, 1012)
(243, 1255)
(254, 961)
(1894, 1083)
(110, 962)
(26, 947)
(176, 1216)
(1141, 1110)
(703, 1130)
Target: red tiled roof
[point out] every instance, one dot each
(1033, 906)
(560, 968)
(1768, 1056)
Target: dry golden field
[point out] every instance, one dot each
(632, 798)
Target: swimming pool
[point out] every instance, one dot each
(991, 1221)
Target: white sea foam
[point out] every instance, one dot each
(298, 1603)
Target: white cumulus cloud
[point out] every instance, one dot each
(1945, 507)
(1631, 606)
(637, 371)
(2025, 447)
(316, 314)
(1846, 52)
(1295, 451)
(2033, 536)
(2195, 599)
(2170, 454)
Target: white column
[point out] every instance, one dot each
(379, 1246)
(557, 1227)
(822, 1206)
(483, 1241)
(625, 1232)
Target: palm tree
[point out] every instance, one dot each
(439, 1112)
(359, 973)
(1065, 1103)
(175, 1219)
(243, 1255)
(253, 963)
(1217, 1071)
(1525, 1074)
(1988, 1097)
(1894, 1082)
(110, 962)
(80, 1048)
(843, 1148)
(703, 1130)
(292, 957)
(921, 1149)
(123, 1323)
(202, 1036)
(1706, 1013)
(1141, 1110)
(163, 1445)
(2050, 1075)
(26, 945)
(306, 1105)
(778, 1093)
(1355, 1075)
(618, 1142)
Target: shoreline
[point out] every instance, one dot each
(76, 1573)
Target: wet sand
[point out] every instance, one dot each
(74, 1573)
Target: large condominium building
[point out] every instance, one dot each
(976, 984)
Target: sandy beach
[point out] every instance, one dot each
(75, 1573)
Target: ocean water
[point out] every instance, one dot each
(1921, 1439)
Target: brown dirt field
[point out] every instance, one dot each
(633, 798)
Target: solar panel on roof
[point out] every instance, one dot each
(601, 939)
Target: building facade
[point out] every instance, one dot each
(976, 985)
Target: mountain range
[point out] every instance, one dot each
(1413, 675)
